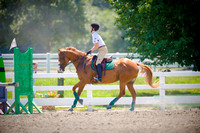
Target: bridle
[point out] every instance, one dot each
(62, 67)
(69, 62)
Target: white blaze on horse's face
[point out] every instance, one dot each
(63, 60)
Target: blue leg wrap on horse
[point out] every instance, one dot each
(113, 101)
(76, 96)
(74, 104)
(132, 106)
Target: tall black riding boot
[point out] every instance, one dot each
(99, 71)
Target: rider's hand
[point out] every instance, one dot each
(89, 52)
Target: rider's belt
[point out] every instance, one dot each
(102, 46)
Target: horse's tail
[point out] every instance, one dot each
(149, 75)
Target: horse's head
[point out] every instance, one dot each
(63, 59)
(69, 54)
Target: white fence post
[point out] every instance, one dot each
(89, 96)
(48, 62)
(162, 92)
(117, 53)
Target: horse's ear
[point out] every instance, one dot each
(58, 49)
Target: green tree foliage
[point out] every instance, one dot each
(44, 23)
(167, 30)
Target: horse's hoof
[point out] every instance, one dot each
(131, 109)
(109, 107)
(70, 109)
(81, 101)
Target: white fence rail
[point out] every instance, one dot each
(90, 100)
(49, 61)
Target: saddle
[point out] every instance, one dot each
(103, 63)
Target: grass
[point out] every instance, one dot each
(114, 93)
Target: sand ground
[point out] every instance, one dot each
(104, 121)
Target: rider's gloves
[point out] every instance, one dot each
(89, 52)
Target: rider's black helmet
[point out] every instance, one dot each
(95, 26)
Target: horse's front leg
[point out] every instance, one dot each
(81, 86)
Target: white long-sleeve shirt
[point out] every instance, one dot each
(97, 38)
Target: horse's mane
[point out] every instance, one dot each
(74, 49)
(71, 48)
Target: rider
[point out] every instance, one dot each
(100, 45)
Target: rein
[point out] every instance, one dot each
(68, 63)
(76, 61)
(71, 62)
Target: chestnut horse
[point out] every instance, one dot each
(125, 70)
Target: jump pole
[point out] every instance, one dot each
(9, 84)
(23, 69)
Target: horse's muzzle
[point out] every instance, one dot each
(61, 69)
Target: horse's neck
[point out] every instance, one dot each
(76, 59)
(80, 63)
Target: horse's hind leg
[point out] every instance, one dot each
(121, 93)
(133, 93)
